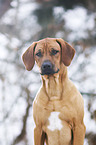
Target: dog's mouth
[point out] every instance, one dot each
(49, 72)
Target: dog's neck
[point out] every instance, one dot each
(54, 85)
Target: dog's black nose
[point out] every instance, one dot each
(47, 65)
(47, 68)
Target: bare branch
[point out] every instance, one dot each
(88, 94)
(22, 135)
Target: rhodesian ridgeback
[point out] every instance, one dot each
(58, 108)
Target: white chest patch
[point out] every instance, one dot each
(54, 121)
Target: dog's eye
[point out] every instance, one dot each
(53, 52)
(39, 54)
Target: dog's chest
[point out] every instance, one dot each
(54, 121)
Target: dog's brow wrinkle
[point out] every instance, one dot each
(54, 121)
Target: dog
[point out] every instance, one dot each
(58, 108)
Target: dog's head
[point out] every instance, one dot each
(48, 53)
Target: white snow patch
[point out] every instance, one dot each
(78, 21)
(26, 9)
(86, 141)
(3, 43)
(9, 18)
(89, 123)
(30, 128)
(77, 18)
(57, 11)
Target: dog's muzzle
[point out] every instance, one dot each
(47, 68)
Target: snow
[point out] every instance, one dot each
(25, 9)
(30, 128)
(77, 21)
(86, 142)
(77, 18)
(89, 123)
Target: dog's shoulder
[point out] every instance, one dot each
(75, 101)
(39, 105)
(40, 100)
(41, 97)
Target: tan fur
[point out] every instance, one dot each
(59, 94)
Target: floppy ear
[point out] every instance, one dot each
(28, 57)
(67, 52)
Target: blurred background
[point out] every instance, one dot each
(25, 21)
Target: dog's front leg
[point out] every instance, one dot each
(39, 136)
(79, 134)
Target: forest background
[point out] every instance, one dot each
(25, 21)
